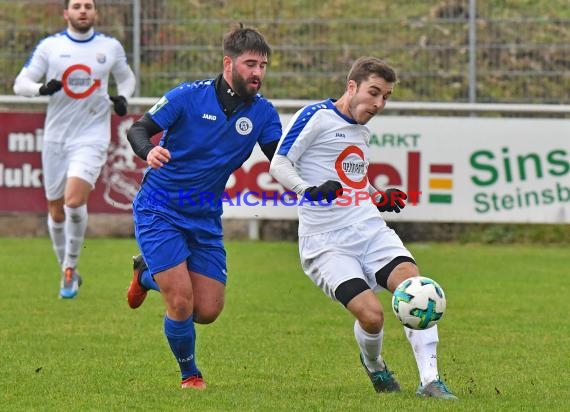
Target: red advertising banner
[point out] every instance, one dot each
(21, 190)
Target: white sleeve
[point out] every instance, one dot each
(24, 85)
(283, 170)
(28, 81)
(123, 75)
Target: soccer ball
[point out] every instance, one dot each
(418, 302)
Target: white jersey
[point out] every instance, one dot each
(78, 114)
(323, 144)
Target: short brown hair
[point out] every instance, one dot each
(243, 39)
(363, 67)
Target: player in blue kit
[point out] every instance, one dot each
(210, 128)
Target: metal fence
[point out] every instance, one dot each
(463, 51)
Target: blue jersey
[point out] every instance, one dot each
(206, 146)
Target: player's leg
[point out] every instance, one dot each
(54, 170)
(55, 161)
(423, 342)
(209, 289)
(85, 164)
(75, 209)
(142, 279)
(208, 268)
(165, 246)
(357, 297)
(360, 300)
(56, 228)
(209, 297)
(396, 265)
(77, 193)
(207, 303)
(424, 345)
(331, 261)
(176, 289)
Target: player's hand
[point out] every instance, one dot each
(157, 157)
(329, 190)
(119, 104)
(392, 200)
(50, 87)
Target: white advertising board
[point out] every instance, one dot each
(467, 169)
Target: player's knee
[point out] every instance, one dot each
(205, 318)
(179, 306)
(56, 211)
(205, 315)
(372, 319)
(74, 202)
(57, 216)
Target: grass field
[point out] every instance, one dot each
(280, 345)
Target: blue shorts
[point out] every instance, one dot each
(166, 238)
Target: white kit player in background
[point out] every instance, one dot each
(75, 64)
(345, 246)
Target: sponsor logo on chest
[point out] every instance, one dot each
(207, 116)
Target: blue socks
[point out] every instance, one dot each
(181, 337)
(148, 281)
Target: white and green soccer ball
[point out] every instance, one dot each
(419, 302)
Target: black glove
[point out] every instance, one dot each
(329, 190)
(50, 87)
(119, 104)
(392, 200)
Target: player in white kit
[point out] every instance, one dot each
(345, 246)
(76, 64)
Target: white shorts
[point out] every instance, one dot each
(60, 162)
(357, 251)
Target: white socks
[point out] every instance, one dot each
(57, 236)
(75, 227)
(424, 345)
(370, 347)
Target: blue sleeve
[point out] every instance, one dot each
(170, 106)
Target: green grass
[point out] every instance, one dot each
(280, 344)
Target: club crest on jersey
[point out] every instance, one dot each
(101, 58)
(244, 126)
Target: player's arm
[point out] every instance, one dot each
(269, 149)
(269, 141)
(297, 137)
(126, 82)
(283, 170)
(28, 82)
(139, 135)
